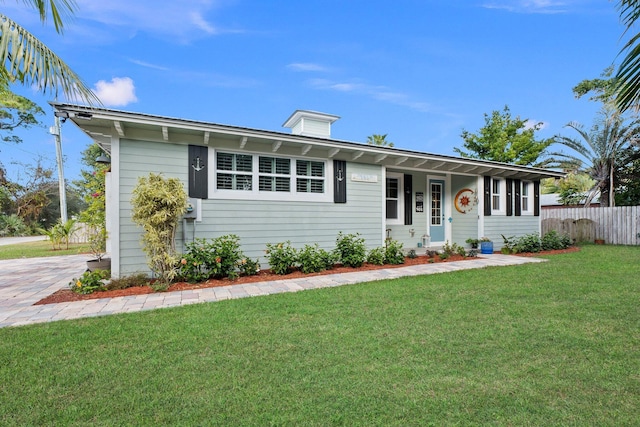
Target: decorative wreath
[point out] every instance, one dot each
(464, 200)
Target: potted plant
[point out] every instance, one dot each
(473, 242)
(486, 245)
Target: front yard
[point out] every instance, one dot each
(556, 343)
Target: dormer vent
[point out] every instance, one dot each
(310, 123)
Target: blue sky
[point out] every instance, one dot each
(419, 71)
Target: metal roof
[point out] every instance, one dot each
(102, 124)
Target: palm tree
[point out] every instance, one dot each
(380, 140)
(598, 151)
(628, 76)
(27, 60)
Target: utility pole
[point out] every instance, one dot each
(55, 131)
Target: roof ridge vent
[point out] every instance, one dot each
(310, 123)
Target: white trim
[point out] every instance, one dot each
(480, 195)
(114, 207)
(383, 199)
(256, 194)
(502, 210)
(400, 178)
(530, 197)
(445, 206)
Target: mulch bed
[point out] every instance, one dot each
(66, 295)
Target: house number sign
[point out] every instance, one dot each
(419, 201)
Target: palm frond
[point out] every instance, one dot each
(29, 61)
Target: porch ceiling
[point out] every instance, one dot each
(102, 125)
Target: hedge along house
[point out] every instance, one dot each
(303, 186)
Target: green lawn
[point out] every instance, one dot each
(40, 249)
(543, 344)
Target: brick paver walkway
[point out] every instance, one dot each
(23, 282)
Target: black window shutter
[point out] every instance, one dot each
(487, 196)
(517, 194)
(536, 198)
(509, 197)
(198, 172)
(408, 202)
(339, 181)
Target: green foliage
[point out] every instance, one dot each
(393, 253)
(92, 188)
(452, 248)
(248, 267)
(59, 233)
(552, 240)
(220, 257)
(533, 243)
(28, 61)
(313, 259)
(12, 225)
(573, 188)
(376, 256)
(379, 140)
(598, 152)
(282, 257)
(351, 249)
(505, 139)
(90, 282)
(16, 112)
(627, 191)
(158, 204)
(125, 282)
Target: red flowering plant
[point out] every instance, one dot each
(92, 186)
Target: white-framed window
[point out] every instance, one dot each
(267, 177)
(498, 196)
(394, 198)
(526, 205)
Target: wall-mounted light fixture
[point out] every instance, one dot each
(103, 159)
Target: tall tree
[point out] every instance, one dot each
(29, 61)
(380, 140)
(505, 139)
(15, 111)
(598, 152)
(628, 178)
(628, 75)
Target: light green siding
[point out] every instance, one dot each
(256, 222)
(137, 159)
(497, 225)
(402, 233)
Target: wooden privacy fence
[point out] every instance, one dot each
(619, 225)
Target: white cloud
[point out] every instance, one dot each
(180, 21)
(530, 124)
(120, 91)
(529, 6)
(148, 65)
(306, 66)
(380, 93)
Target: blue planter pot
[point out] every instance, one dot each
(486, 247)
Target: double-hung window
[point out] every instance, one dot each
(498, 196)
(394, 202)
(527, 202)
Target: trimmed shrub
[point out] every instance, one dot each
(393, 253)
(376, 256)
(282, 257)
(313, 259)
(351, 249)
